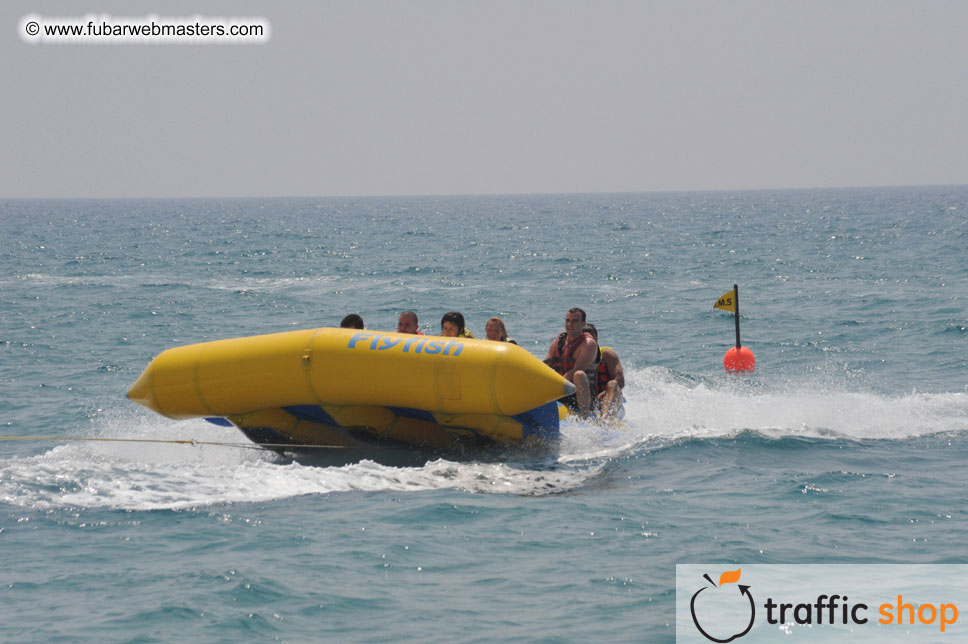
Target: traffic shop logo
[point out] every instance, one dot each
(723, 612)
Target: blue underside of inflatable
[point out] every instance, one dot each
(541, 422)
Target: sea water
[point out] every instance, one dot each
(847, 444)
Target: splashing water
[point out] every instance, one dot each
(661, 409)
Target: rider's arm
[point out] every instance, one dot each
(585, 354)
(619, 375)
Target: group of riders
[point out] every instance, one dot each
(575, 354)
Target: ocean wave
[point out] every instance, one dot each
(48, 279)
(159, 476)
(72, 476)
(663, 404)
(662, 409)
(232, 284)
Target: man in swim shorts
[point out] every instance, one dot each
(573, 354)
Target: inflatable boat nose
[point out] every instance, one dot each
(570, 388)
(140, 391)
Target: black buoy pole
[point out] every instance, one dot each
(736, 312)
(738, 358)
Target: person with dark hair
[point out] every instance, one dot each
(452, 326)
(610, 379)
(351, 321)
(407, 323)
(573, 354)
(496, 331)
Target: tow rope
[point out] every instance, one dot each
(188, 441)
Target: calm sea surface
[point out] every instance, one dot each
(848, 444)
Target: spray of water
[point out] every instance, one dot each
(662, 408)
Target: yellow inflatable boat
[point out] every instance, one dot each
(346, 387)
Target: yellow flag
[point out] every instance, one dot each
(727, 302)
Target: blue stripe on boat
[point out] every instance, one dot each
(410, 412)
(313, 413)
(541, 421)
(221, 422)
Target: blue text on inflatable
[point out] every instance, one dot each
(419, 344)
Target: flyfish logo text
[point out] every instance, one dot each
(416, 344)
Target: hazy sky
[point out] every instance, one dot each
(452, 97)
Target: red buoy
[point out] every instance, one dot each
(739, 359)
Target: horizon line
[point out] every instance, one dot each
(490, 194)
